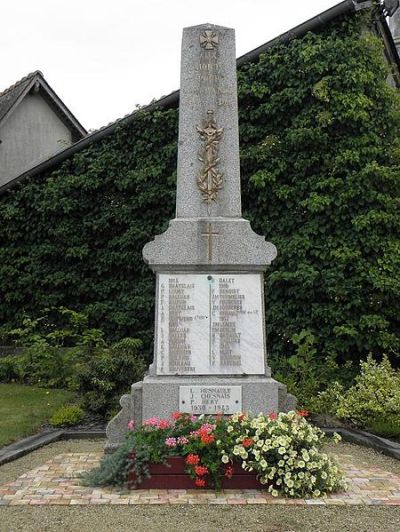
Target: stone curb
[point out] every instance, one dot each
(387, 447)
(27, 445)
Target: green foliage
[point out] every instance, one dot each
(54, 344)
(320, 153)
(375, 395)
(66, 416)
(8, 369)
(108, 373)
(328, 400)
(306, 372)
(101, 373)
(388, 427)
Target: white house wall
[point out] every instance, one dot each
(31, 134)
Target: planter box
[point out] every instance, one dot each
(175, 477)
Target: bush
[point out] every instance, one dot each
(306, 372)
(386, 426)
(375, 395)
(66, 416)
(60, 351)
(328, 400)
(9, 369)
(108, 373)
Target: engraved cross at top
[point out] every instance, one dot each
(209, 234)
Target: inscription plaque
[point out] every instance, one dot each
(210, 399)
(210, 324)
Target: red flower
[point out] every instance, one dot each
(200, 482)
(273, 416)
(207, 438)
(303, 413)
(176, 415)
(229, 472)
(200, 470)
(163, 424)
(192, 459)
(247, 442)
(241, 417)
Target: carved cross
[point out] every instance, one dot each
(209, 234)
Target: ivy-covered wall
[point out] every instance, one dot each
(320, 157)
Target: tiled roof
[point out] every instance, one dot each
(11, 95)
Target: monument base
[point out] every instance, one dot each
(158, 396)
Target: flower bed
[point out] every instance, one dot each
(279, 452)
(173, 475)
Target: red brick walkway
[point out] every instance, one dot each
(56, 483)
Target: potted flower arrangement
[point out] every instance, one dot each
(279, 452)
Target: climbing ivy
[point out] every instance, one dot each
(320, 156)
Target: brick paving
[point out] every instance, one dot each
(56, 483)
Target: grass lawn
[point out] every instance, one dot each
(24, 408)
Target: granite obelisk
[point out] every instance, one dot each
(209, 349)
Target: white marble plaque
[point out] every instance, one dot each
(210, 399)
(210, 324)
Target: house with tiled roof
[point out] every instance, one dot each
(34, 125)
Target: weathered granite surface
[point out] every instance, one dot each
(235, 247)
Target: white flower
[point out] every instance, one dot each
(230, 428)
(274, 493)
(281, 450)
(225, 458)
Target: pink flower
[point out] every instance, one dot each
(170, 442)
(182, 440)
(273, 416)
(193, 419)
(131, 424)
(151, 422)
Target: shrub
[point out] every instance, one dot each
(9, 369)
(108, 373)
(386, 426)
(66, 416)
(375, 395)
(306, 372)
(328, 400)
(61, 351)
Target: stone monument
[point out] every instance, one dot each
(209, 349)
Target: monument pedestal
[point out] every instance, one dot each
(209, 350)
(159, 396)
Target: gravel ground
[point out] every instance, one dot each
(194, 518)
(197, 518)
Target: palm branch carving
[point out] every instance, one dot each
(210, 181)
